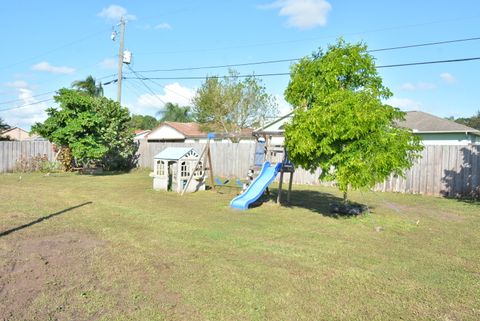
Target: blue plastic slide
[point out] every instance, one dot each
(259, 184)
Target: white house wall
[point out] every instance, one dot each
(165, 133)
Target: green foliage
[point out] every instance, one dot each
(3, 125)
(174, 112)
(88, 86)
(229, 104)
(473, 121)
(341, 125)
(142, 122)
(93, 128)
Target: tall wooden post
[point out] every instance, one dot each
(279, 197)
(290, 187)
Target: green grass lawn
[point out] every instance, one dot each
(111, 248)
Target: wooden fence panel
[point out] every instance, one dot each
(13, 151)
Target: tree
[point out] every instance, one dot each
(473, 121)
(88, 86)
(142, 122)
(3, 127)
(229, 104)
(94, 129)
(340, 123)
(174, 112)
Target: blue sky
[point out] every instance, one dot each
(47, 45)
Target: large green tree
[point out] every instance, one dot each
(473, 121)
(174, 112)
(230, 104)
(142, 122)
(94, 129)
(340, 123)
(89, 86)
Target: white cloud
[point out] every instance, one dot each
(163, 25)
(418, 86)
(448, 77)
(149, 104)
(115, 12)
(303, 14)
(108, 63)
(26, 116)
(45, 66)
(405, 104)
(16, 84)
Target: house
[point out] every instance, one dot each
(175, 132)
(439, 131)
(140, 134)
(432, 129)
(16, 133)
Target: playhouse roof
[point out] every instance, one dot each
(174, 153)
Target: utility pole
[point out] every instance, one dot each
(120, 60)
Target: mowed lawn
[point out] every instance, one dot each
(111, 248)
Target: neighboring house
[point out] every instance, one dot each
(175, 132)
(439, 131)
(432, 129)
(141, 134)
(16, 133)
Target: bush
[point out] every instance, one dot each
(39, 163)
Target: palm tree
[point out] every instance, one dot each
(174, 112)
(89, 86)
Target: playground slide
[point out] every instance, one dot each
(259, 184)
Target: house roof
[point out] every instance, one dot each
(174, 153)
(275, 126)
(12, 129)
(420, 122)
(192, 130)
(187, 129)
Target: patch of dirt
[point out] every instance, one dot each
(31, 267)
(75, 276)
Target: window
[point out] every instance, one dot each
(183, 169)
(199, 171)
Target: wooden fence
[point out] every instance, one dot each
(13, 151)
(448, 170)
(442, 170)
(228, 159)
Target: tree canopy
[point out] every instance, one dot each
(94, 129)
(473, 121)
(230, 104)
(174, 112)
(142, 122)
(340, 123)
(3, 127)
(88, 86)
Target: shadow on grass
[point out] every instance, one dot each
(41, 219)
(315, 201)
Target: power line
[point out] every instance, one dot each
(52, 50)
(287, 73)
(296, 59)
(27, 105)
(140, 77)
(15, 100)
(307, 39)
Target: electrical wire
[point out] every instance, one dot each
(296, 59)
(139, 77)
(27, 105)
(287, 73)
